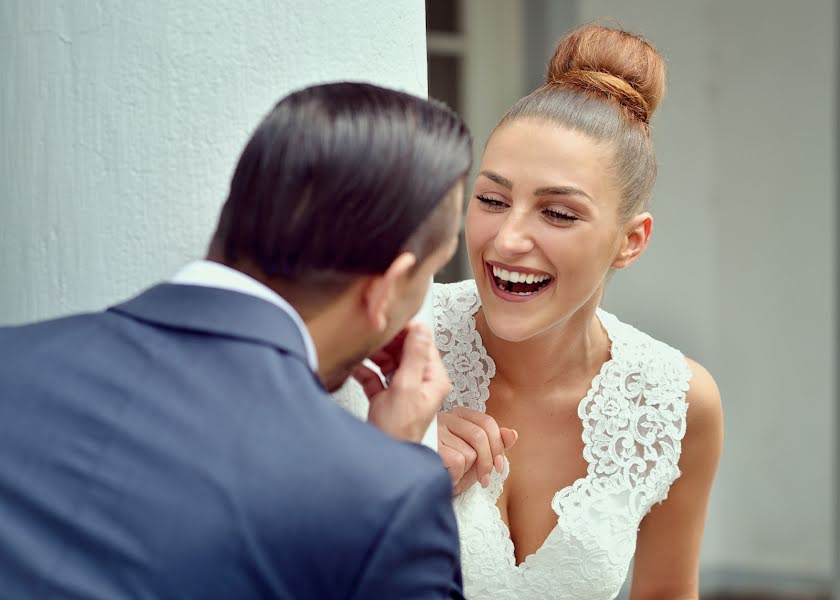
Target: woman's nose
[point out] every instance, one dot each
(513, 237)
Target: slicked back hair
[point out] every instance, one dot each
(338, 180)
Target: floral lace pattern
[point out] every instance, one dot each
(633, 422)
(470, 367)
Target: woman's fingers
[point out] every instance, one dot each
(450, 441)
(467, 481)
(472, 445)
(509, 437)
(477, 439)
(491, 437)
(458, 456)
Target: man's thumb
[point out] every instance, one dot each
(415, 355)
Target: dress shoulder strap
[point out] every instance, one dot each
(470, 367)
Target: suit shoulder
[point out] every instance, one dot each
(395, 465)
(420, 462)
(51, 334)
(351, 454)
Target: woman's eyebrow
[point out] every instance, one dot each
(553, 190)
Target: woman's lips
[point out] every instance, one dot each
(514, 296)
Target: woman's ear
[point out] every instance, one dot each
(381, 290)
(636, 238)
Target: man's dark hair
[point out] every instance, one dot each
(338, 180)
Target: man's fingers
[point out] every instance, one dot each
(394, 347)
(415, 355)
(387, 358)
(369, 380)
(436, 373)
(386, 362)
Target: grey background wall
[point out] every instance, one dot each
(120, 125)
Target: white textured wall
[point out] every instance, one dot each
(740, 273)
(121, 123)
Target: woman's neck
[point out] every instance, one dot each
(572, 349)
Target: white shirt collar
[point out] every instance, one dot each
(213, 274)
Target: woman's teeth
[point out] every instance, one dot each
(515, 277)
(519, 284)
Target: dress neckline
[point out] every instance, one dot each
(633, 425)
(603, 317)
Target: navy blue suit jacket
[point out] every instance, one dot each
(179, 446)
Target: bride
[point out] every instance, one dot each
(566, 429)
(575, 442)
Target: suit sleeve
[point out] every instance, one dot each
(417, 555)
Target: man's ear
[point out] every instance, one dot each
(381, 290)
(636, 238)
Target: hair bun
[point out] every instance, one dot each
(612, 63)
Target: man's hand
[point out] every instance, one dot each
(471, 445)
(418, 385)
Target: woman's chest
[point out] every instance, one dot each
(548, 456)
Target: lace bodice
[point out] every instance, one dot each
(633, 420)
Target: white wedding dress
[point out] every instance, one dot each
(633, 420)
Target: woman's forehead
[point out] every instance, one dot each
(535, 154)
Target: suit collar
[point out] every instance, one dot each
(216, 311)
(213, 274)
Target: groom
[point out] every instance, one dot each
(184, 445)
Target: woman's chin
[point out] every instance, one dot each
(503, 328)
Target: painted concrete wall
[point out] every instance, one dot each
(740, 273)
(121, 123)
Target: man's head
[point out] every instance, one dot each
(348, 195)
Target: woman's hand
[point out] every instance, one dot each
(471, 445)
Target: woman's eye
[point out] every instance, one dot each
(559, 215)
(490, 203)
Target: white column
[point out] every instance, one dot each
(121, 123)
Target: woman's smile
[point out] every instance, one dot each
(517, 284)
